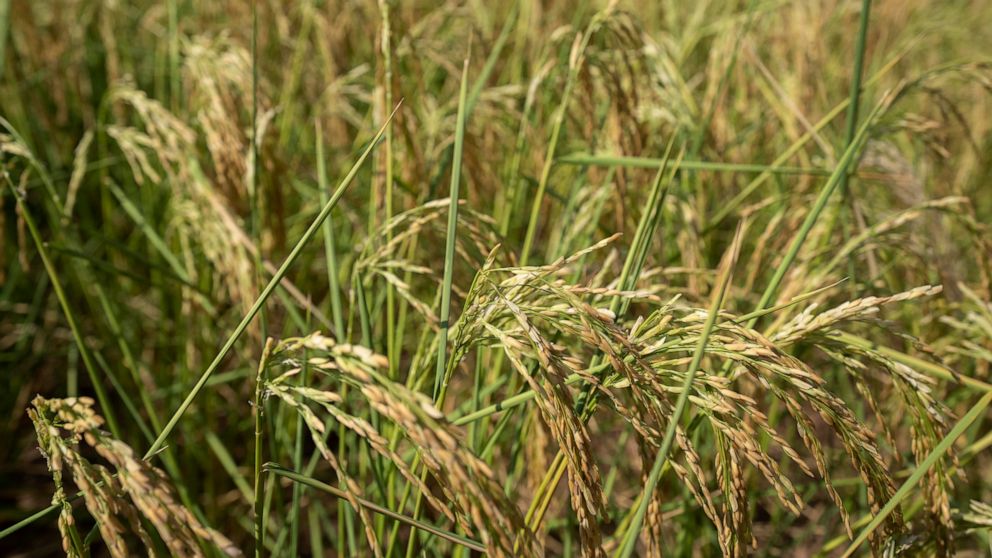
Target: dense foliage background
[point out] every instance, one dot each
(161, 159)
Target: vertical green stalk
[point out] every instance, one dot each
(72, 373)
(259, 478)
(4, 26)
(626, 547)
(254, 188)
(316, 541)
(449, 247)
(851, 127)
(440, 371)
(646, 227)
(852, 120)
(290, 84)
(387, 154)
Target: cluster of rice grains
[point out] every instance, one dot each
(130, 503)
(465, 481)
(534, 315)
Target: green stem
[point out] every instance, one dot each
(70, 318)
(855, 97)
(258, 495)
(613, 160)
(264, 295)
(449, 247)
(633, 531)
(771, 290)
(371, 506)
(931, 459)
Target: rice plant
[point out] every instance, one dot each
(583, 278)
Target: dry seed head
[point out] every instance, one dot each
(117, 502)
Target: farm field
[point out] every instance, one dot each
(462, 278)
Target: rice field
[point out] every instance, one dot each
(459, 278)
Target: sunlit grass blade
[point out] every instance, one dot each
(266, 292)
(846, 160)
(909, 486)
(629, 540)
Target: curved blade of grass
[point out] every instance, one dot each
(909, 486)
(629, 541)
(371, 506)
(268, 290)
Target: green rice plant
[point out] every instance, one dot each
(531, 326)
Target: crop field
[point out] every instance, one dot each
(460, 278)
